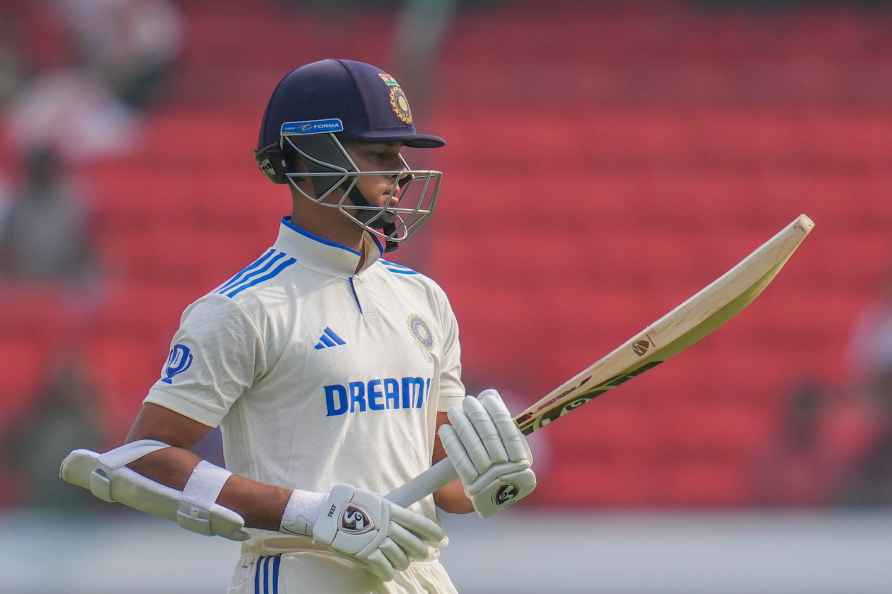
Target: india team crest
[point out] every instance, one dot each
(421, 331)
(398, 101)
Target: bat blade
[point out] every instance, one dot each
(701, 315)
(685, 325)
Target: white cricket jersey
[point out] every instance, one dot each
(318, 374)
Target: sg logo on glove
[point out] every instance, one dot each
(355, 520)
(505, 494)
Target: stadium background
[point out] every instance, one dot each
(605, 161)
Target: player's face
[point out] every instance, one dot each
(378, 190)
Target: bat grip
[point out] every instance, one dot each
(438, 475)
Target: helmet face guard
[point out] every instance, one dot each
(334, 177)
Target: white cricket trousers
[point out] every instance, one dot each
(315, 572)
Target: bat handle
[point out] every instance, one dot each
(438, 475)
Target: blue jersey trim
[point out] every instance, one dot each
(252, 274)
(238, 276)
(394, 264)
(378, 245)
(277, 560)
(282, 266)
(355, 295)
(397, 268)
(291, 225)
(257, 575)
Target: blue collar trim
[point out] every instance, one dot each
(291, 225)
(377, 245)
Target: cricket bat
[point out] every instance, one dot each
(679, 329)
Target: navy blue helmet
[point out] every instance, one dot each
(317, 106)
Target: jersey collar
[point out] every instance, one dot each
(324, 254)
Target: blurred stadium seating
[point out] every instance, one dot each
(599, 170)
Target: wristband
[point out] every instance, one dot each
(301, 512)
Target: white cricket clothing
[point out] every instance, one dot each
(318, 374)
(314, 572)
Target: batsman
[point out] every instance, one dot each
(334, 374)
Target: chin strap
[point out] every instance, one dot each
(389, 229)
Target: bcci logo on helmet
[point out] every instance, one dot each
(398, 101)
(355, 520)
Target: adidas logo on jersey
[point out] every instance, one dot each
(329, 339)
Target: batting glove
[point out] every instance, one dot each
(382, 535)
(489, 453)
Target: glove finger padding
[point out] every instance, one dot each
(394, 554)
(422, 527)
(380, 566)
(457, 455)
(515, 443)
(470, 441)
(486, 429)
(411, 545)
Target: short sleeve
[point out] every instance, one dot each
(452, 390)
(214, 357)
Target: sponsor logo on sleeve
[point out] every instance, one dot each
(179, 360)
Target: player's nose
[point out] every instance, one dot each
(396, 189)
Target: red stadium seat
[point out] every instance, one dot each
(717, 483)
(598, 482)
(23, 366)
(123, 369)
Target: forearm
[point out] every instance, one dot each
(351, 521)
(452, 499)
(260, 504)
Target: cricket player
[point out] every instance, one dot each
(333, 373)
